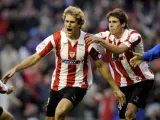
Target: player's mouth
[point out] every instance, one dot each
(69, 30)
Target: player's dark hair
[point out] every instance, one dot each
(120, 14)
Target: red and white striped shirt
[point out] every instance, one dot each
(123, 73)
(73, 68)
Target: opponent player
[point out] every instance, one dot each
(72, 75)
(120, 43)
(150, 55)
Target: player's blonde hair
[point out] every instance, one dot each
(120, 14)
(77, 13)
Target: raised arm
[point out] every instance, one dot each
(28, 62)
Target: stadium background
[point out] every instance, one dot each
(25, 23)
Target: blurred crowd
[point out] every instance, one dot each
(25, 23)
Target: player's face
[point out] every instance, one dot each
(115, 27)
(71, 26)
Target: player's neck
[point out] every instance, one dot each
(75, 35)
(119, 34)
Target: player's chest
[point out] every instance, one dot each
(70, 51)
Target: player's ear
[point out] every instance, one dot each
(123, 25)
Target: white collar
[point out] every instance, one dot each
(80, 39)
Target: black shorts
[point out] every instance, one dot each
(1, 110)
(137, 94)
(74, 94)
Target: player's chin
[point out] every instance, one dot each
(69, 33)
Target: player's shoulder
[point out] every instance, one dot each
(58, 34)
(133, 31)
(103, 34)
(134, 35)
(55, 35)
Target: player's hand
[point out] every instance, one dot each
(91, 38)
(136, 60)
(8, 75)
(10, 89)
(121, 96)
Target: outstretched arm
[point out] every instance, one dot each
(30, 61)
(152, 54)
(103, 69)
(113, 48)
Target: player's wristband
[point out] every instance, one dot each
(3, 87)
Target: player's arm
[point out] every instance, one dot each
(101, 66)
(104, 70)
(152, 54)
(44, 48)
(28, 62)
(113, 48)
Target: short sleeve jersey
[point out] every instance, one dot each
(123, 73)
(73, 67)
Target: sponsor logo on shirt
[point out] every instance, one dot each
(71, 61)
(116, 57)
(41, 46)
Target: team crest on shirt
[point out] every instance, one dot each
(72, 54)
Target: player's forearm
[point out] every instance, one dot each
(107, 76)
(152, 54)
(28, 62)
(110, 47)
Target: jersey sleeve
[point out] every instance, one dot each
(133, 40)
(46, 46)
(152, 54)
(102, 35)
(94, 52)
(3, 87)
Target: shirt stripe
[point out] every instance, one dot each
(57, 39)
(73, 67)
(124, 73)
